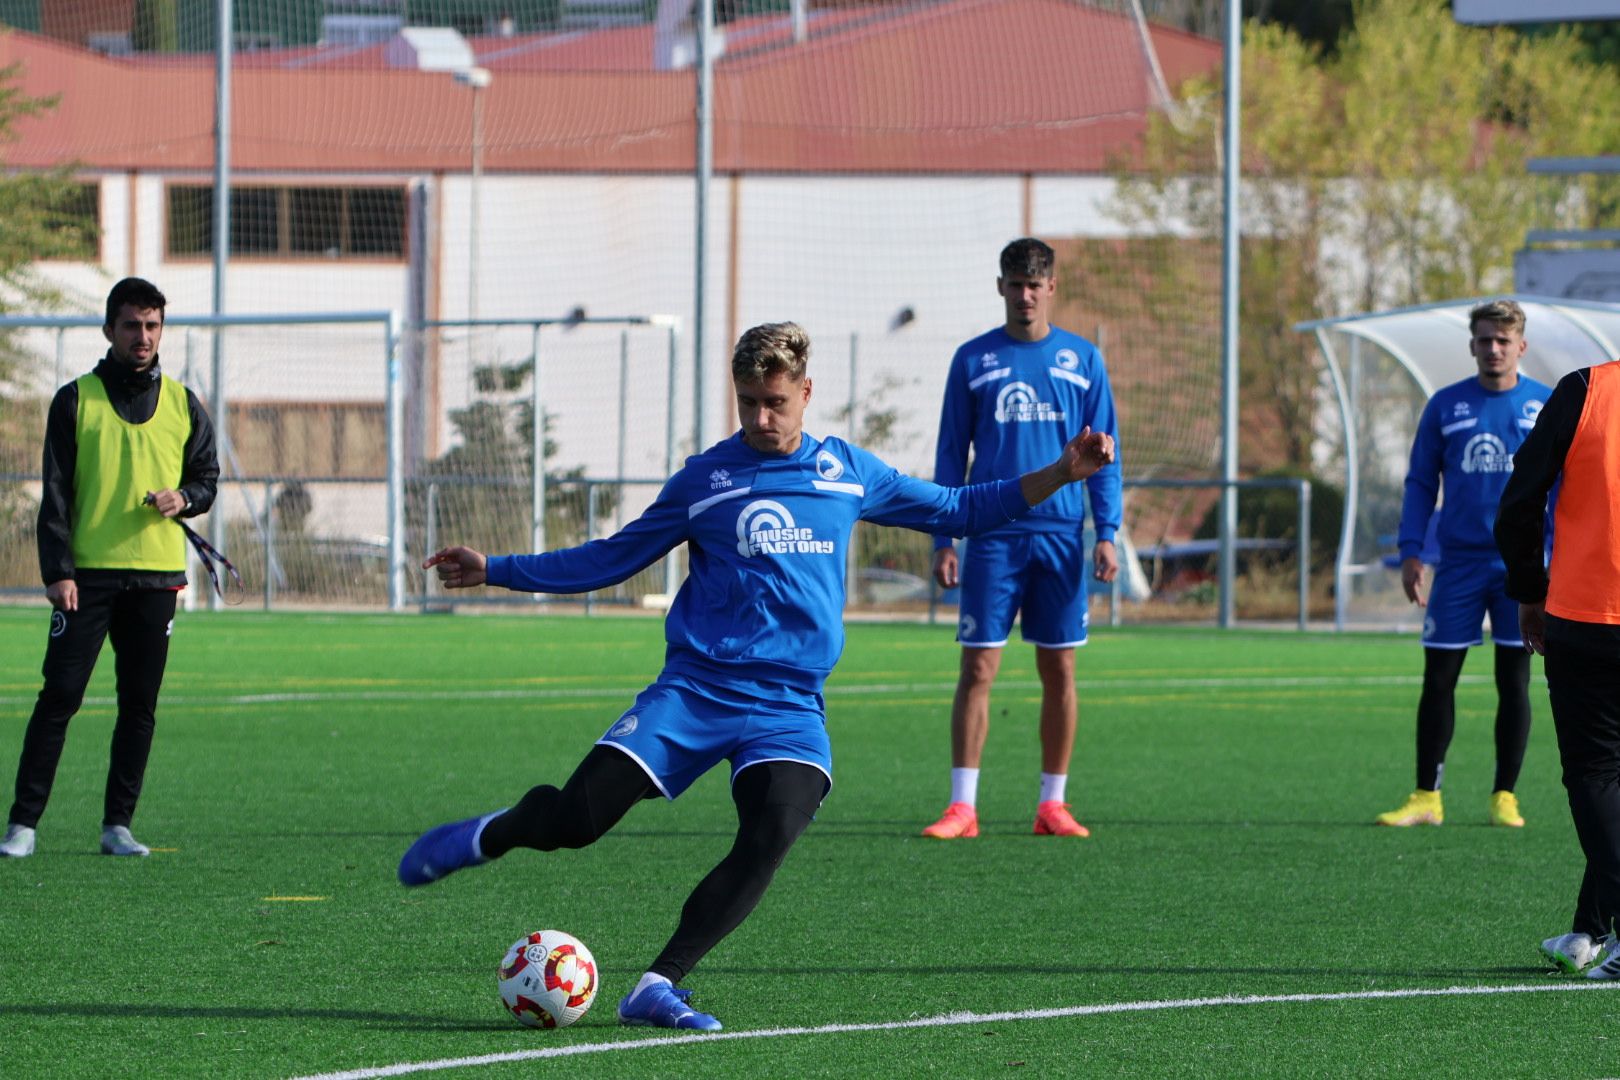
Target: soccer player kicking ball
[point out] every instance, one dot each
(752, 635)
(1467, 436)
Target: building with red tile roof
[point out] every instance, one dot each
(952, 87)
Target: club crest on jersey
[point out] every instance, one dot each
(828, 467)
(1485, 453)
(766, 527)
(1017, 403)
(625, 726)
(1067, 359)
(720, 478)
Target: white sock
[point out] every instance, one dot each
(647, 980)
(1052, 785)
(478, 833)
(965, 786)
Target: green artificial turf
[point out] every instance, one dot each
(1229, 780)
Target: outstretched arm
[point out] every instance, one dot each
(892, 498)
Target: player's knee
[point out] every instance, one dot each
(1441, 668)
(1512, 670)
(768, 838)
(979, 666)
(58, 704)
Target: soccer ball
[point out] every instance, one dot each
(547, 979)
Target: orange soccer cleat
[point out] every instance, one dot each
(1053, 819)
(960, 821)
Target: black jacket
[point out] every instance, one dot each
(1522, 514)
(134, 395)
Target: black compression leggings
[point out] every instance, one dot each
(776, 801)
(1437, 713)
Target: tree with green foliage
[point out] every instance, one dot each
(37, 221)
(157, 26)
(1392, 173)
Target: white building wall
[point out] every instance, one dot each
(842, 255)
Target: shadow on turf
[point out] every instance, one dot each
(1015, 826)
(1446, 977)
(125, 1010)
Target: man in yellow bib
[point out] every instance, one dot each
(126, 449)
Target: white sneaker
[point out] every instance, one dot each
(19, 842)
(1571, 953)
(1606, 963)
(115, 840)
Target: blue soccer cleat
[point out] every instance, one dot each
(664, 1005)
(444, 850)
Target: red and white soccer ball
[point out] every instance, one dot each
(547, 979)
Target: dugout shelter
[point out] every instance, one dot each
(1380, 369)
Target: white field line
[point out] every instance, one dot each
(957, 1019)
(541, 693)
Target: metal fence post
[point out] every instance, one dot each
(269, 545)
(431, 541)
(852, 561)
(624, 385)
(669, 449)
(222, 440)
(537, 492)
(590, 531)
(1304, 553)
(396, 470)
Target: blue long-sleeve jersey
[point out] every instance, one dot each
(1466, 435)
(769, 535)
(1016, 403)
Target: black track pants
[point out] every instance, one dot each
(139, 622)
(1583, 685)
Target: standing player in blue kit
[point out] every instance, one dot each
(1466, 437)
(753, 633)
(1012, 396)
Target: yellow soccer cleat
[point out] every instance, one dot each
(1505, 810)
(1421, 808)
(959, 822)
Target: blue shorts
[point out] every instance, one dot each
(678, 729)
(1041, 574)
(1464, 590)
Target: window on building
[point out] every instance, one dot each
(74, 221)
(292, 222)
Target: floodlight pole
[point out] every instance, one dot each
(704, 169)
(1231, 175)
(222, 247)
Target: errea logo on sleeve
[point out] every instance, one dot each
(766, 527)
